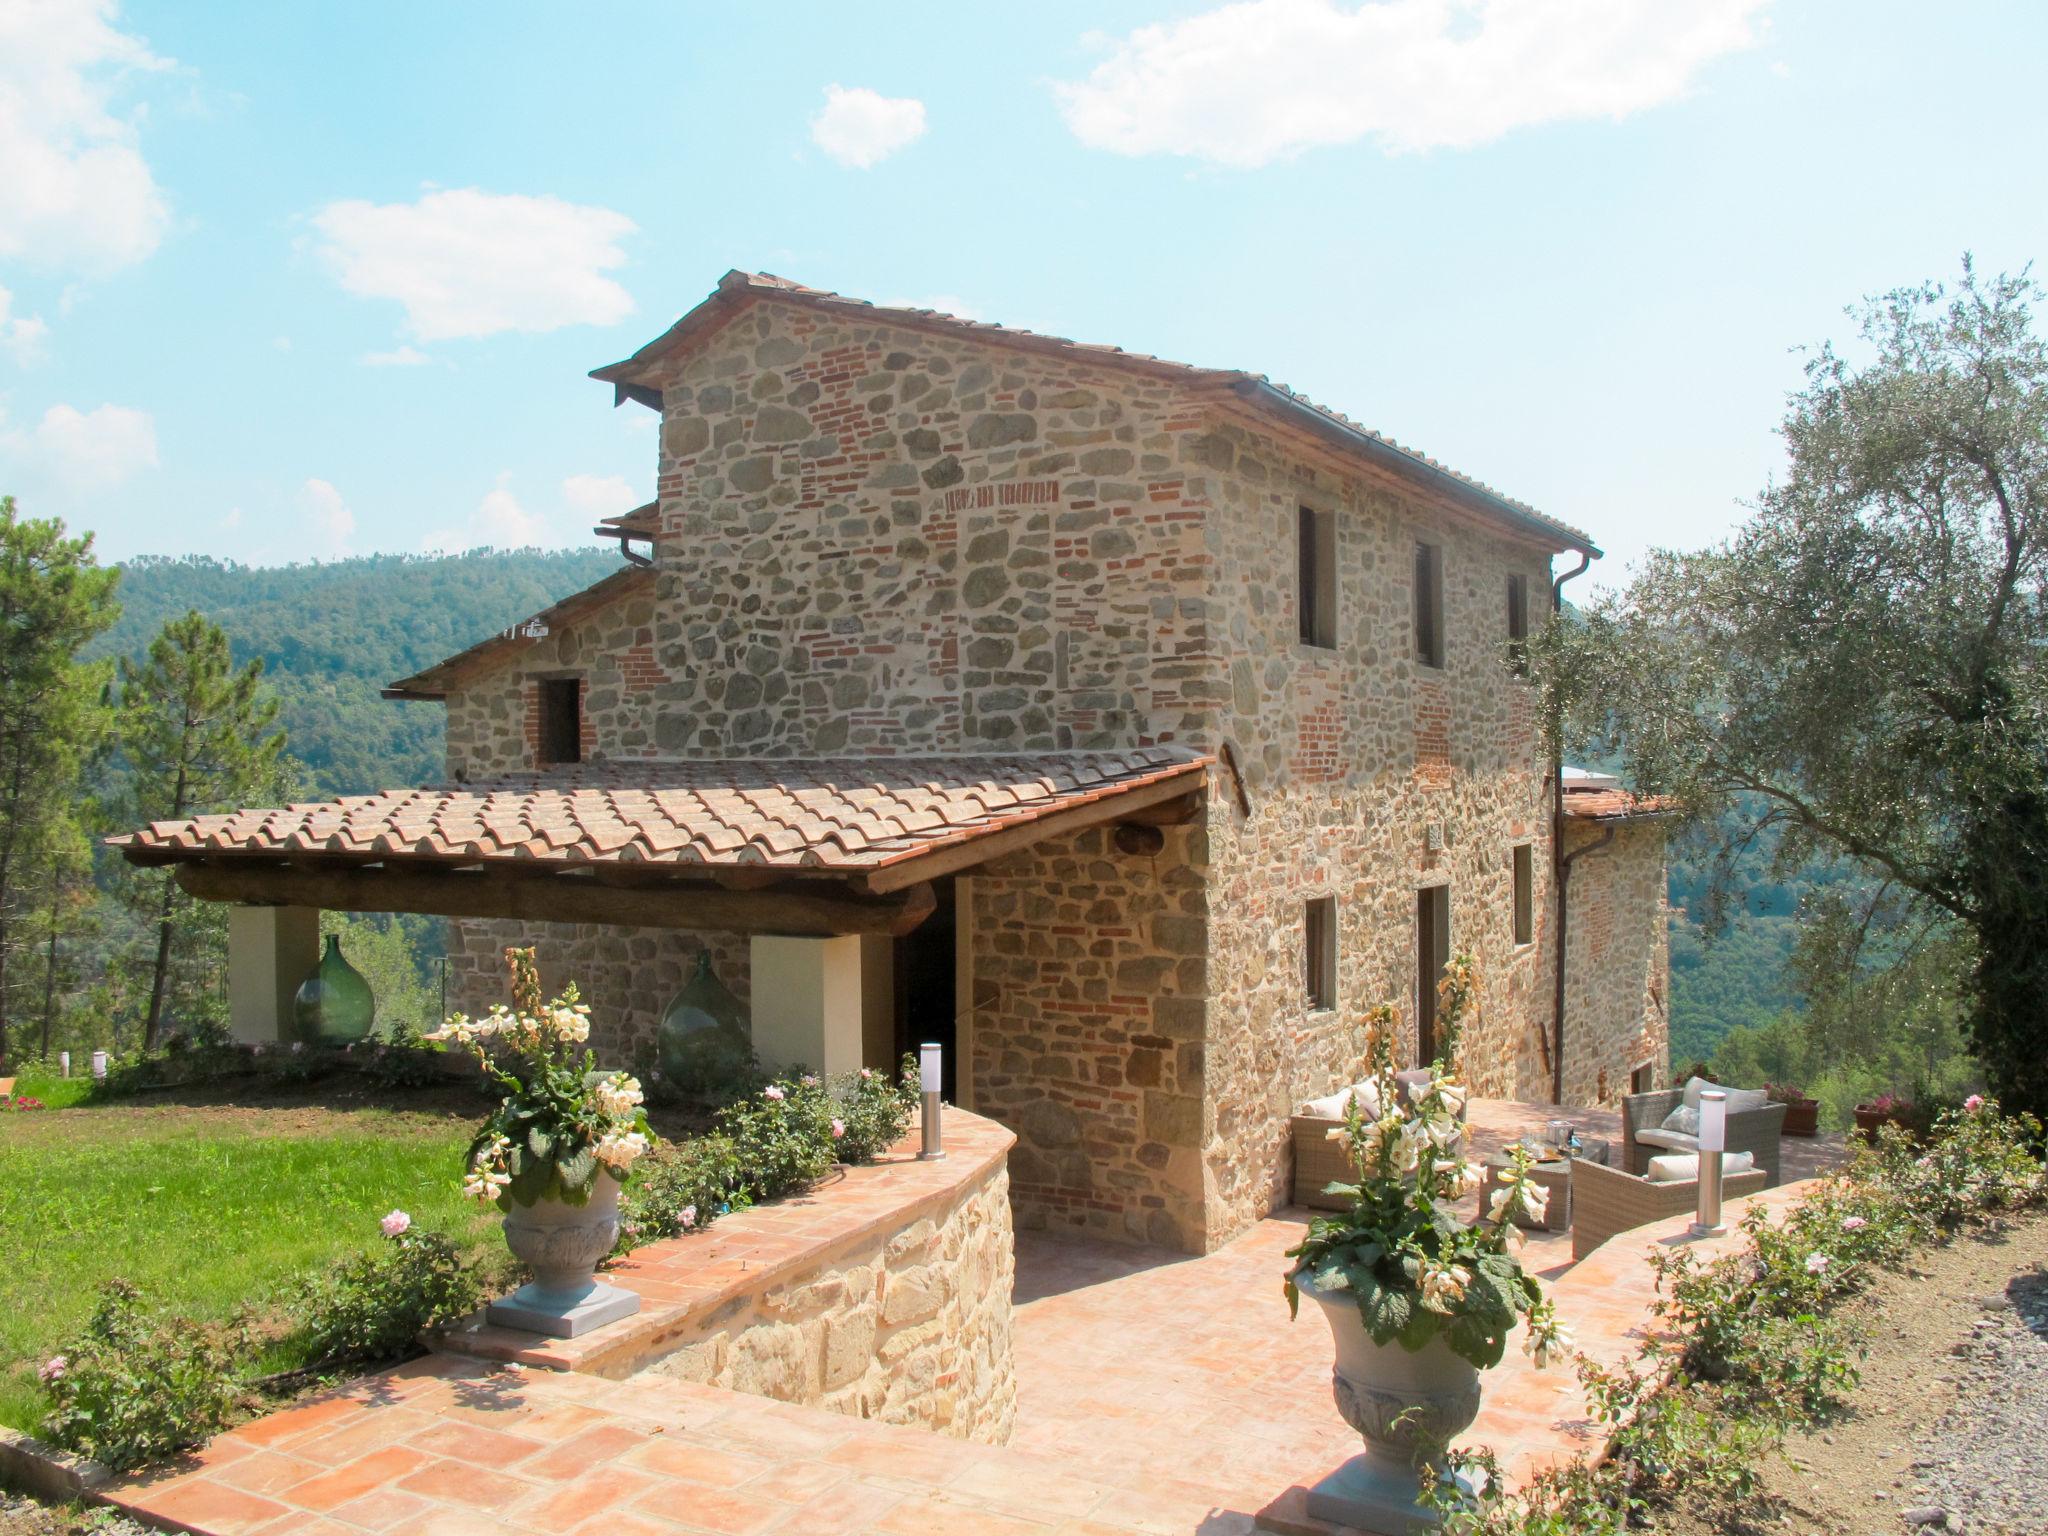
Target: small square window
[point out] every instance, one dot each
(1518, 624)
(561, 720)
(1316, 548)
(1525, 894)
(1643, 1079)
(1429, 605)
(1319, 952)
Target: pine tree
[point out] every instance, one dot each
(54, 598)
(197, 735)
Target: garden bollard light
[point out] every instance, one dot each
(64, 1063)
(1713, 1137)
(928, 1081)
(99, 1066)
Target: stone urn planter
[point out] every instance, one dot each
(563, 1244)
(1375, 1385)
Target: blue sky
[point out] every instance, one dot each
(296, 281)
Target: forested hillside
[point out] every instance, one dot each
(333, 635)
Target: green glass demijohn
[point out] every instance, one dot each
(705, 1038)
(333, 1006)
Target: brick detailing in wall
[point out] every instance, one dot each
(1432, 735)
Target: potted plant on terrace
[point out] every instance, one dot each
(554, 1155)
(1802, 1115)
(1886, 1109)
(1419, 1300)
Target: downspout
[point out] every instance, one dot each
(1560, 865)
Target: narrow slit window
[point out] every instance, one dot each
(1518, 624)
(1319, 952)
(1643, 1079)
(1429, 605)
(1525, 894)
(1316, 547)
(561, 720)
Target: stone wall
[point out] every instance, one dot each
(910, 1325)
(1351, 758)
(627, 975)
(1089, 987)
(1617, 971)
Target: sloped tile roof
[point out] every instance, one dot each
(736, 289)
(1614, 804)
(821, 815)
(627, 581)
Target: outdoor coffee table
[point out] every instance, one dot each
(1553, 1175)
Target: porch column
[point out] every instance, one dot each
(270, 951)
(806, 1001)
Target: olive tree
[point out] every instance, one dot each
(1860, 673)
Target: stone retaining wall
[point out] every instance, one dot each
(908, 1328)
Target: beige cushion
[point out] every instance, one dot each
(1680, 1168)
(1739, 1099)
(1677, 1141)
(1331, 1105)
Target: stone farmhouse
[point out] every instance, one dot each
(1129, 727)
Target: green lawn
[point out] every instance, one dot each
(204, 1206)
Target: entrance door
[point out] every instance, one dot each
(1432, 951)
(925, 981)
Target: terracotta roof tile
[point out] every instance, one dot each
(1614, 804)
(826, 814)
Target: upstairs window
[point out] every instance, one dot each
(561, 720)
(1525, 894)
(1518, 624)
(1319, 952)
(1429, 605)
(1316, 547)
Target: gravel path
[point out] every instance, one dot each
(1984, 1463)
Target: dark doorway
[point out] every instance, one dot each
(1432, 950)
(926, 1000)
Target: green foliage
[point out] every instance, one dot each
(1746, 1347)
(374, 1306)
(132, 1388)
(562, 1123)
(54, 599)
(683, 1186)
(332, 635)
(1416, 1270)
(874, 1112)
(1861, 674)
(783, 1136)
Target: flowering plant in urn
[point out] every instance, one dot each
(1419, 1300)
(562, 1121)
(555, 1152)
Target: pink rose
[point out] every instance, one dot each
(773, 1092)
(838, 1129)
(1816, 1263)
(1853, 1223)
(1974, 1103)
(395, 1224)
(53, 1368)
(686, 1218)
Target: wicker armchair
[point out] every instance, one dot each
(1755, 1131)
(1607, 1201)
(1320, 1162)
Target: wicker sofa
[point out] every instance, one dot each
(1319, 1161)
(1607, 1201)
(1755, 1131)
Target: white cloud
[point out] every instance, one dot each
(21, 337)
(75, 191)
(862, 128)
(468, 263)
(596, 496)
(1253, 82)
(328, 515)
(85, 452)
(231, 519)
(502, 521)
(399, 357)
